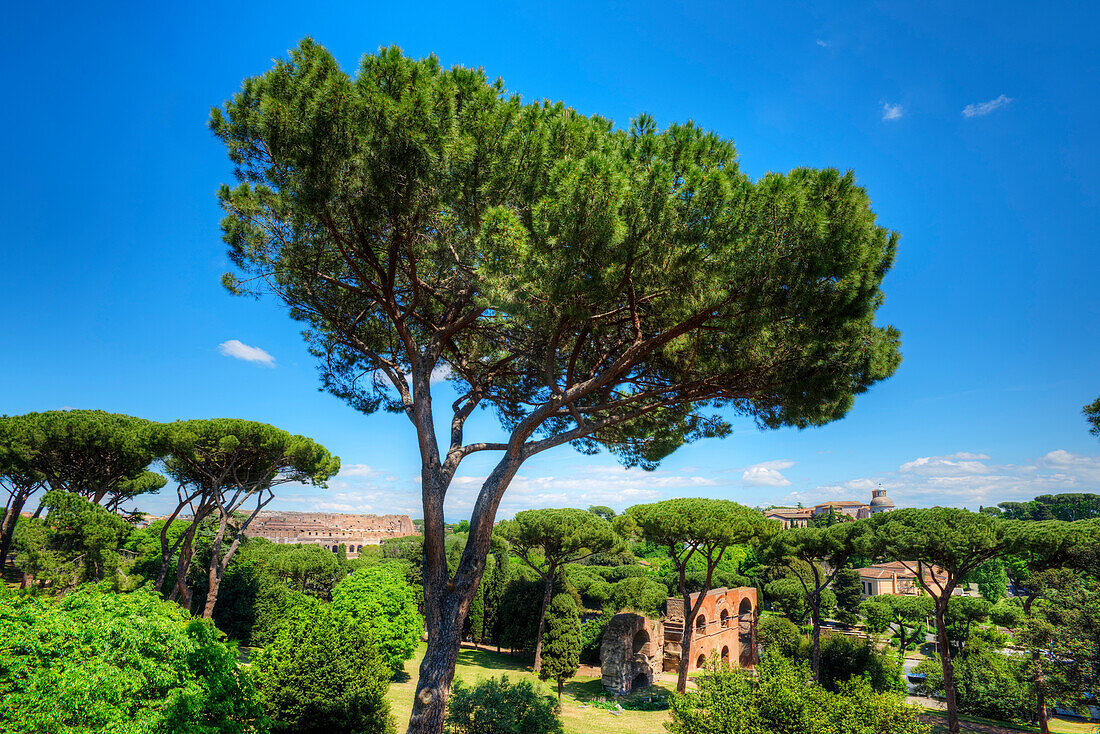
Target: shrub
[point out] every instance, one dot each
(592, 637)
(782, 699)
(324, 673)
(844, 658)
(381, 597)
(117, 663)
(500, 707)
(779, 635)
(987, 684)
(638, 593)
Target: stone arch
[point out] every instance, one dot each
(641, 643)
(726, 654)
(700, 661)
(724, 618)
(700, 624)
(745, 631)
(640, 681)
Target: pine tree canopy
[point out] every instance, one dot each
(592, 284)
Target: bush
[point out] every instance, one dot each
(778, 635)
(118, 663)
(381, 597)
(783, 699)
(844, 658)
(324, 673)
(592, 637)
(641, 594)
(987, 684)
(500, 707)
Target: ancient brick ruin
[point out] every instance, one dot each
(635, 649)
(630, 655)
(330, 529)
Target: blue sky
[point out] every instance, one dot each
(973, 128)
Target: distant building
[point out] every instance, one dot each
(791, 517)
(330, 529)
(851, 508)
(880, 502)
(897, 578)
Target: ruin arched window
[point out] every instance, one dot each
(700, 623)
(744, 628)
(725, 654)
(724, 618)
(701, 661)
(641, 643)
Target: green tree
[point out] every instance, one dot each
(989, 684)
(220, 464)
(940, 546)
(908, 614)
(848, 588)
(963, 612)
(595, 286)
(778, 636)
(603, 511)
(991, 578)
(780, 696)
(1092, 415)
(877, 617)
(548, 539)
(19, 477)
(102, 456)
(94, 662)
(79, 542)
(495, 583)
(324, 673)
(639, 593)
(686, 527)
(808, 552)
(496, 706)
(380, 597)
(562, 642)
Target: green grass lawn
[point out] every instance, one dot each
(475, 665)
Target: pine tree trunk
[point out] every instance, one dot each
(7, 530)
(548, 587)
(815, 664)
(217, 569)
(685, 651)
(438, 667)
(946, 664)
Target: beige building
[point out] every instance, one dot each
(896, 578)
(791, 517)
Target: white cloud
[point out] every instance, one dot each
(240, 350)
(962, 462)
(355, 470)
(767, 474)
(984, 108)
(821, 43)
(892, 111)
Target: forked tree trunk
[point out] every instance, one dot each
(447, 600)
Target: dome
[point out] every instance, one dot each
(881, 500)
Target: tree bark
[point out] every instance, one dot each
(946, 663)
(548, 587)
(685, 650)
(214, 577)
(815, 663)
(1040, 694)
(7, 530)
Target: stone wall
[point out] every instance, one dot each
(630, 655)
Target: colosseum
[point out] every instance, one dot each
(330, 529)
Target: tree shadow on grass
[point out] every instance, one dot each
(490, 661)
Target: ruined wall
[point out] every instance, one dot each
(725, 626)
(630, 655)
(330, 529)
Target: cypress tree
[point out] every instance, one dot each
(561, 643)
